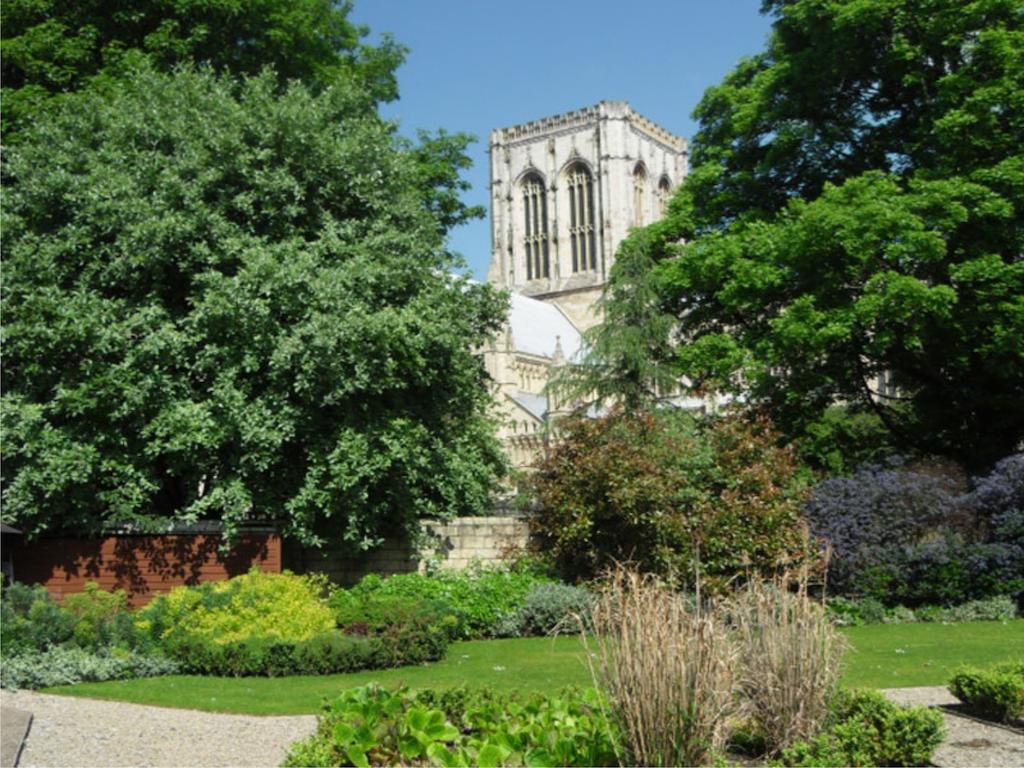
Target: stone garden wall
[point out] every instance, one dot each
(452, 544)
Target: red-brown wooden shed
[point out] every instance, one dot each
(143, 565)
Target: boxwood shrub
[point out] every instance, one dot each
(326, 653)
(864, 728)
(997, 693)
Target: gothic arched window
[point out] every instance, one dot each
(664, 193)
(535, 239)
(581, 218)
(639, 194)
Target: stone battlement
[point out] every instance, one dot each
(579, 118)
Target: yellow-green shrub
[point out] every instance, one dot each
(255, 605)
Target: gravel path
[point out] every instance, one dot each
(70, 732)
(968, 742)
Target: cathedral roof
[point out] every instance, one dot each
(538, 328)
(537, 405)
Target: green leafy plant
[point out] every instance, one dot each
(373, 726)
(849, 612)
(101, 617)
(996, 693)
(549, 608)
(470, 602)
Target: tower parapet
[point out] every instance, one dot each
(564, 192)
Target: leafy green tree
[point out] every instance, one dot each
(54, 46)
(225, 301)
(855, 208)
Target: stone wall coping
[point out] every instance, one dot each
(517, 517)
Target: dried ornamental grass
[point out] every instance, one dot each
(792, 653)
(667, 671)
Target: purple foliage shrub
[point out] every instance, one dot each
(908, 536)
(998, 501)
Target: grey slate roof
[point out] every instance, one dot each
(535, 404)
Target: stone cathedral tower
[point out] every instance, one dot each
(565, 190)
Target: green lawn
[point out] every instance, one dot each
(882, 656)
(904, 655)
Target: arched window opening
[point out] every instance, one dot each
(581, 218)
(639, 194)
(535, 239)
(664, 193)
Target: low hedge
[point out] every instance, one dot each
(326, 653)
(323, 654)
(997, 693)
(864, 728)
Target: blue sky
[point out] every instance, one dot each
(474, 66)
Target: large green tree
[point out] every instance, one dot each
(856, 207)
(223, 300)
(52, 47)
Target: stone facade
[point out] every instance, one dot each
(565, 191)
